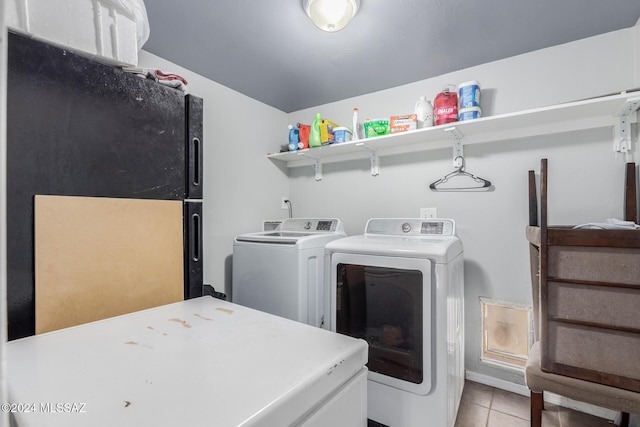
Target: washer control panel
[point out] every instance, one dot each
(312, 224)
(412, 227)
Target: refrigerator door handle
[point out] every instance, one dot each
(195, 237)
(193, 249)
(196, 147)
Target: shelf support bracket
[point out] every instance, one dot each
(626, 114)
(374, 159)
(317, 165)
(458, 155)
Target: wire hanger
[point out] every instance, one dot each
(461, 180)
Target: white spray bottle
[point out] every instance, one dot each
(355, 132)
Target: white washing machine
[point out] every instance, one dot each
(282, 271)
(400, 287)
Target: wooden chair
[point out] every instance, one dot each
(586, 290)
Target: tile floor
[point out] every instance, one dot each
(485, 406)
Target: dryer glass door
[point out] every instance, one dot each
(386, 301)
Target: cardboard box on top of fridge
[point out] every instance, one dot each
(110, 31)
(403, 123)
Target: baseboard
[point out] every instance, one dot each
(497, 383)
(548, 397)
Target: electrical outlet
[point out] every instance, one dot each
(283, 203)
(428, 212)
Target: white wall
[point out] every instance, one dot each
(586, 177)
(241, 187)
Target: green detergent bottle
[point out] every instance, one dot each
(314, 135)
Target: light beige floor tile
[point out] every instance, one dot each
(509, 407)
(571, 418)
(477, 393)
(499, 419)
(511, 403)
(471, 415)
(550, 417)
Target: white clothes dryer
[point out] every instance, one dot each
(400, 287)
(282, 271)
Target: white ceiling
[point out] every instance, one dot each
(271, 51)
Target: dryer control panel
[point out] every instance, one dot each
(411, 227)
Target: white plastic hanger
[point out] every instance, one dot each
(460, 180)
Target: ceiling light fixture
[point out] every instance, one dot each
(331, 15)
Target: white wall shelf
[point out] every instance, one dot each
(580, 115)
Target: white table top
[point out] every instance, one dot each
(194, 363)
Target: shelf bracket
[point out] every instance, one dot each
(626, 114)
(374, 159)
(317, 165)
(458, 155)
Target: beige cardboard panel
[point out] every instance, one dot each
(101, 257)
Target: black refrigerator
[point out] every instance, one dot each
(77, 127)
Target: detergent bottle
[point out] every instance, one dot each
(445, 106)
(424, 112)
(303, 134)
(293, 138)
(314, 135)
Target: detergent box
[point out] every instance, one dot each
(376, 127)
(403, 123)
(326, 131)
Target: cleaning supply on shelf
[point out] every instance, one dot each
(445, 107)
(342, 134)
(376, 127)
(314, 134)
(424, 112)
(468, 95)
(469, 113)
(355, 131)
(403, 123)
(294, 138)
(303, 134)
(326, 131)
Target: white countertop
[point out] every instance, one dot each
(194, 363)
